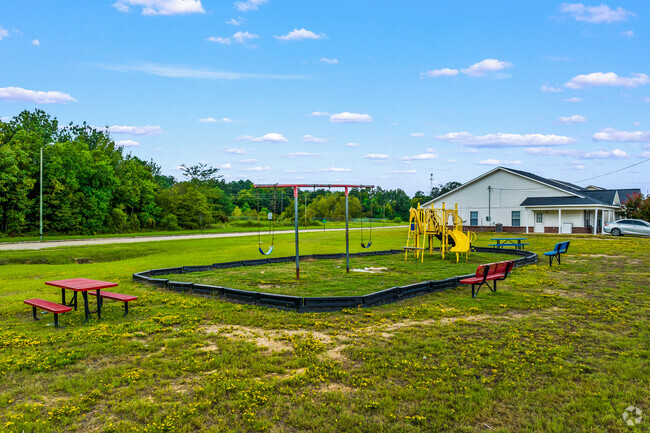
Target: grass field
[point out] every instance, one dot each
(555, 349)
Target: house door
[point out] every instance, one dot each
(539, 222)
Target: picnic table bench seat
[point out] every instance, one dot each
(560, 248)
(51, 307)
(489, 272)
(117, 297)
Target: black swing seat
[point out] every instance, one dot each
(266, 253)
(366, 246)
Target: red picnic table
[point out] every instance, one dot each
(83, 285)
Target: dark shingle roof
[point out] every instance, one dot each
(561, 201)
(565, 186)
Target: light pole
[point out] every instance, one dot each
(41, 192)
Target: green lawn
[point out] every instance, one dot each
(555, 349)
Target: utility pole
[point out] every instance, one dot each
(490, 204)
(430, 182)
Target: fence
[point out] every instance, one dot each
(311, 304)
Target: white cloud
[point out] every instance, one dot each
(444, 72)
(420, 157)
(404, 171)
(333, 170)
(498, 162)
(4, 33)
(352, 144)
(380, 156)
(161, 7)
(5, 118)
(257, 168)
(299, 35)
(644, 154)
(647, 146)
(235, 22)
(36, 42)
(604, 154)
(312, 139)
(452, 161)
(294, 155)
(504, 140)
(484, 66)
(347, 117)
(595, 14)
(329, 61)
(574, 99)
(607, 79)
(219, 40)
(570, 120)
(417, 134)
(594, 154)
(247, 161)
(636, 123)
(551, 89)
(236, 151)
(249, 5)
(127, 143)
(317, 114)
(243, 37)
(611, 134)
(271, 137)
(173, 71)
(213, 120)
(18, 94)
(135, 130)
(629, 33)
(225, 166)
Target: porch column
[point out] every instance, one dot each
(595, 221)
(526, 217)
(559, 217)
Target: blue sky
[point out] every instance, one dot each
(372, 92)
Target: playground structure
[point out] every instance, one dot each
(295, 201)
(428, 223)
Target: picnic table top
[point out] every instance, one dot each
(508, 239)
(81, 284)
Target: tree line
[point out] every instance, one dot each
(90, 185)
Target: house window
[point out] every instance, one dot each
(539, 217)
(473, 218)
(516, 218)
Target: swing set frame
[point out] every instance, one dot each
(295, 201)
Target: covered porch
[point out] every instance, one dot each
(567, 219)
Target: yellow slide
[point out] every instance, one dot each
(462, 243)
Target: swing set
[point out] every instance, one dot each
(271, 218)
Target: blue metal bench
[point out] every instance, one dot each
(560, 248)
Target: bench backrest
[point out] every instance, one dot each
(501, 267)
(483, 270)
(564, 246)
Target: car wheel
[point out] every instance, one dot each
(616, 232)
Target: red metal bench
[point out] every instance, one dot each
(116, 296)
(52, 307)
(489, 272)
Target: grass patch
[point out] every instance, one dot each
(555, 349)
(329, 278)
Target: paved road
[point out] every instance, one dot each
(73, 243)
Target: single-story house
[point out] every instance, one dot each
(526, 203)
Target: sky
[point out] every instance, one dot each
(399, 94)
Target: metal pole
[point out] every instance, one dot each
(295, 201)
(305, 209)
(41, 197)
(490, 203)
(347, 235)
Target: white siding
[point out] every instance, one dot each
(508, 192)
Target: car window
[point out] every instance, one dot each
(624, 222)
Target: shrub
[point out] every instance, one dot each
(170, 222)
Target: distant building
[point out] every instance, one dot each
(526, 203)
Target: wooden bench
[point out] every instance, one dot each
(117, 297)
(489, 272)
(560, 248)
(52, 307)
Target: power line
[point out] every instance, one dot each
(611, 172)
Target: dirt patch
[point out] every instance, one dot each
(370, 270)
(210, 348)
(286, 375)
(565, 293)
(336, 387)
(270, 339)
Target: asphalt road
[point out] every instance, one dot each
(35, 245)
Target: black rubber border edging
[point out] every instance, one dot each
(312, 304)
